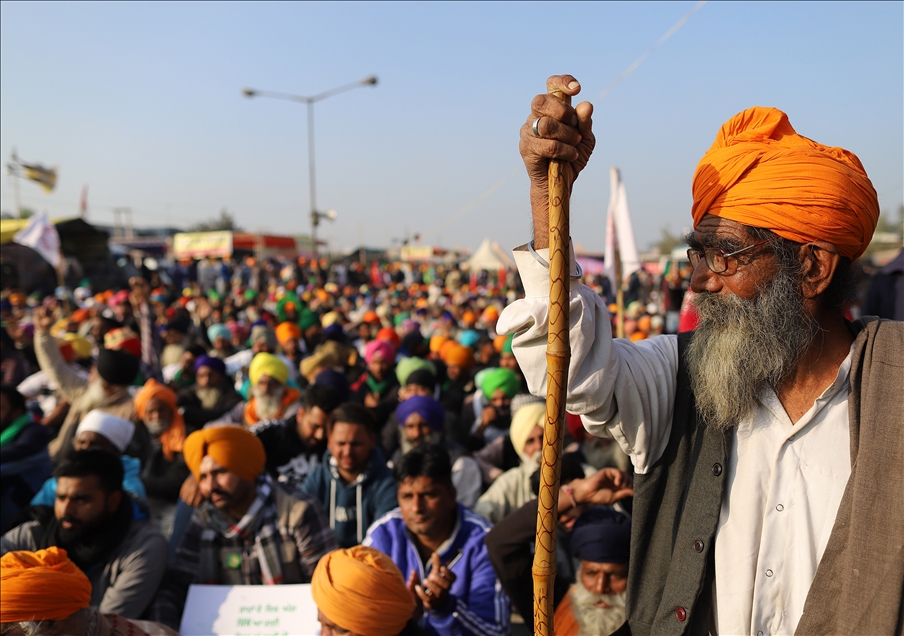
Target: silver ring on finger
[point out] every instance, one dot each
(536, 127)
(427, 591)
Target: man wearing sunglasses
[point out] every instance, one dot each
(767, 444)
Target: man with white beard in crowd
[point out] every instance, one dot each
(210, 396)
(269, 398)
(105, 389)
(766, 449)
(595, 604)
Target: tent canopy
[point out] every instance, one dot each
(489, 256)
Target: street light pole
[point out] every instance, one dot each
(309, 101)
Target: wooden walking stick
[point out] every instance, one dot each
(558, 355)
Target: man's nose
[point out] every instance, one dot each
(703, 278)
(69, 508)
(600, 584)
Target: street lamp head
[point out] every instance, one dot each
(331, 215)
(249, 92)
(372, 80)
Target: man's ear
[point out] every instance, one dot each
(113, 501)
(819, 260)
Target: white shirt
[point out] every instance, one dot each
(784, 481)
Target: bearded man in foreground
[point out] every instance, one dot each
(766, 448)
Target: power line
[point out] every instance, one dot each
(618, 80)
(643, 58)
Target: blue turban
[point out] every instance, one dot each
(426, 407)
(212, 363)
(468, 338)
(334, 379)
(218, 331)
(601, 535)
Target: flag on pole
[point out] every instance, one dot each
(83, 202)
(41, 236)
(620, 244)
(44, 177)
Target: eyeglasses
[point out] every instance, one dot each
(717, 258)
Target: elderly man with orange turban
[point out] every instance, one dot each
(766, 450)
(165, 470)
(247, 531)
(360, 590)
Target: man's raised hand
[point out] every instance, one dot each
(565, 134)
(44, 318)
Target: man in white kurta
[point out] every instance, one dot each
(789, 456)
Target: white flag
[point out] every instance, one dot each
(619, 233)
(41, 236)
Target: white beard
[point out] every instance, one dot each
(597, 621)
(743, 346)
(268, 407)
(406, 444)
(155, 427)
(208, 395)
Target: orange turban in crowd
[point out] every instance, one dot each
(436, 342)
(362, 591)
(172, 439)
(27, 578)
(232, 447)
(761, 173)
(286, 331)
(458, 355)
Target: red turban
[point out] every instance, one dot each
(232, 447)
(42, 585)
(761, 173)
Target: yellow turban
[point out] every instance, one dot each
(26, 579)
(232, 447)
(80, 345)
(361, 590)
(523, 422)
(761, 173)
(268, 364)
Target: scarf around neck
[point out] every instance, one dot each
(259, 526)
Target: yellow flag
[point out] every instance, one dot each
(45, 177)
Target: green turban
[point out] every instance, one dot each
(308, 319)
(409, 365)
(504, 379)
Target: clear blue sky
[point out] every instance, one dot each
(141, 101)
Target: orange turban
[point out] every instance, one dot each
(286, 331)
(457, 355)
(436, 342)
(232, 447)
(26, 578)
(361, 590)
(172, 439)
(761, 173)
